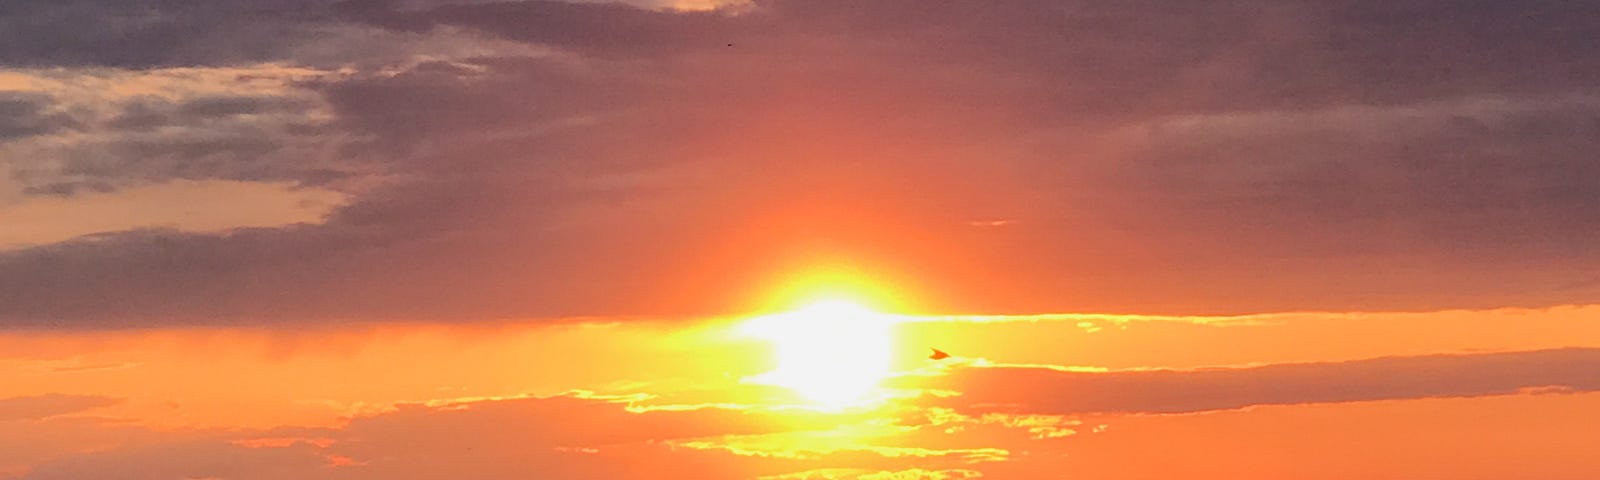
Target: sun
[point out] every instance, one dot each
(833, 352)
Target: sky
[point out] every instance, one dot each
(718, 239)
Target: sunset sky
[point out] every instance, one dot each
(719, 239)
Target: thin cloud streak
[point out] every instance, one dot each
(39, 407)
(1046, 390)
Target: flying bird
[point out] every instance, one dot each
(938, 354)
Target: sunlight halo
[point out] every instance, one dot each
(833, 352)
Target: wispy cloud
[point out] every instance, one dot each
(1061, 391)
(39, 407)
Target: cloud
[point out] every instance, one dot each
(132, 129)
(1277, 53)
(1364, 178)
(144, 33)
(181, 205)
(584, 435)
(199, 459)
(26, 115)
(1051, 391)
(544, 159)
(554, 437)
(45, 406)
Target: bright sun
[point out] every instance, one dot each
(833, 352)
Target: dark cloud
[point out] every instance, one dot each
(434, 252)
(1468, 190)
(1155, 156)
(439, 101)
(213, 107)
(146, 140)
(148, 33)
(44, 406)
(1111, 58)
(25, 115)
(1049, 391)
(602, 27)
(1437, 174)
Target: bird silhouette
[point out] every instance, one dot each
(938, 354)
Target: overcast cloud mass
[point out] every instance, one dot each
(547, 159)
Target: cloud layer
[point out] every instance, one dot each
(1008, 422)
(542, 159)
(1054, 391)
(45, 406)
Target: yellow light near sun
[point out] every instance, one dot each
(833, 352)
(835, 282)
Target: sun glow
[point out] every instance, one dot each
(833, 352)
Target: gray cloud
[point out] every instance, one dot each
(44, 406)
(1049, 391)
(1152, 156)
(1110, 57)
(1437, 173)
(26, 115)
(249, 124)
(146, 33)
(194, 459)
(601, 27)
